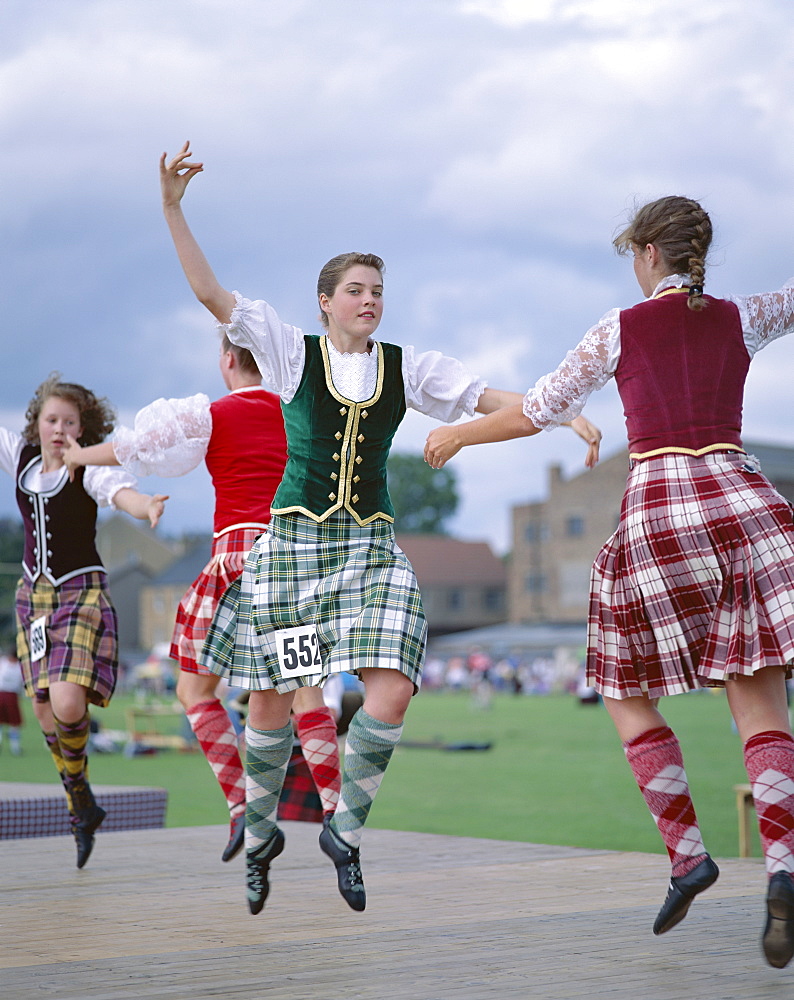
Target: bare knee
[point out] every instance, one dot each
(68, 701)
(388, 694)
(192, 689)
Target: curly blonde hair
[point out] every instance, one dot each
(680, 229)
(97, 416)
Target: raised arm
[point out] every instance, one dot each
(174, 179)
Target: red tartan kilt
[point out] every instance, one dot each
(299, 798)
(697, 583)
(197, 608)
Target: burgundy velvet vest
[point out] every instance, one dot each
(681, 373)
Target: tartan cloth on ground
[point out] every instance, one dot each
(197, 608)
(299, 798)
(697, 583)
(82, 635)
(351, 581)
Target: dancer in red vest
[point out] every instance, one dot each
(66, 623)
(696, 586)
(241, 438)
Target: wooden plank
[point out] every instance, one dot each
(160, 916)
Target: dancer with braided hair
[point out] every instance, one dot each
(696, 586)
(66, 623)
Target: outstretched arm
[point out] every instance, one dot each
(174, 179)
(141, 505)
(499, 425)
(76, 455)
(503, 424)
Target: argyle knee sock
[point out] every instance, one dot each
(266, 757)
(320, 745)
(658, 767)
(769, 760)
(73, 739)
(51, 739)
(370, 744)
(213, 728)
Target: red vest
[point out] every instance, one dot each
(246, 456)
(681, 373)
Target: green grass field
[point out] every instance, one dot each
(555, 773)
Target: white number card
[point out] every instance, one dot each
(298, 651)
(38, 638)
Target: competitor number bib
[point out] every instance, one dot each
(298, 651)
(38, 638)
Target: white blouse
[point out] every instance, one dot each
(560, 396)
(435, 385)
(101, 483)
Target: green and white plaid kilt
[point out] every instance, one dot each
(352, 582)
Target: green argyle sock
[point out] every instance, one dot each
(266, 757)
(370, 744)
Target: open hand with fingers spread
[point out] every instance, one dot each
(176, 175)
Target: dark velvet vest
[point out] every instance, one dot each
(681, 373)
(337, 449)
(60, 526)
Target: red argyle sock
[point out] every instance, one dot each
(769, 760)
(320, 745)
(213, 728)
(655, 758)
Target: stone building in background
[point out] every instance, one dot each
(555, 540)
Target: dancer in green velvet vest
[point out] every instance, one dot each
(326, 589)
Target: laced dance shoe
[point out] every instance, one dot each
(777, 941)
(681, 893)
(257, 865)
(348, 867)
(236, 837)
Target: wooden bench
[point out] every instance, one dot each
(744, 805)
(39, 810)
(148, 725)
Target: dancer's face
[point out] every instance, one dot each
(356, 307)
(58, 418)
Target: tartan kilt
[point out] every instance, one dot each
(82, 635)
(696, 586)
(197, 608)
(354, 583)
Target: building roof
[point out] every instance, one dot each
(183, 571)
(439, 560)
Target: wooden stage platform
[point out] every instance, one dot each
(156, 916)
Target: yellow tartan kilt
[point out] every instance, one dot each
(82, 635)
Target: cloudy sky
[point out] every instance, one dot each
(487, 149)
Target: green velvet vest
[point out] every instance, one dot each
(337, 449)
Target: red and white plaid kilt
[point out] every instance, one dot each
(197, 608)
(697, 584)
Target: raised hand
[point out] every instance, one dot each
(71, 456)
(176, 175)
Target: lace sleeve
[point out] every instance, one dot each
(560, 396)
(766, 317)
(169, 437)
